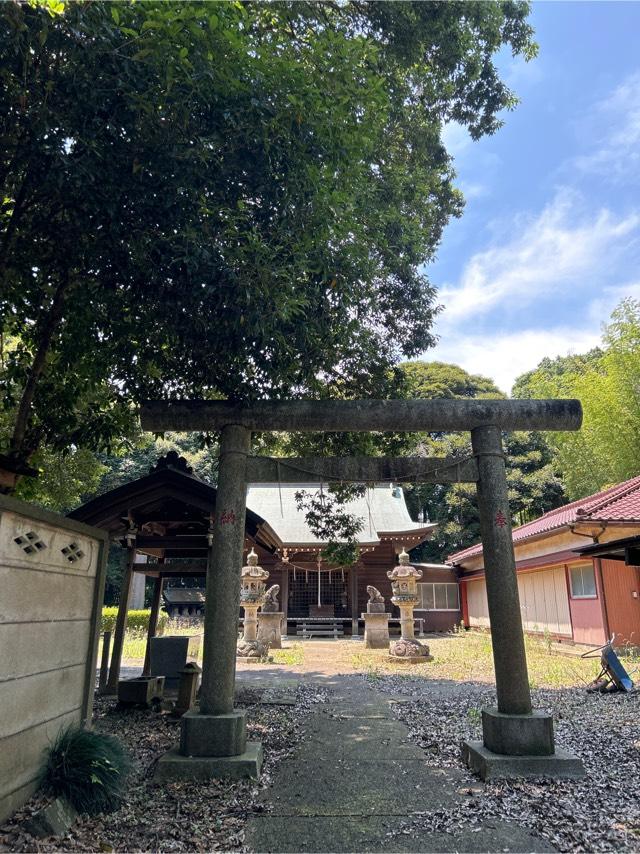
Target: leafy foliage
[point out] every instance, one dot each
(88, 768)
(136, 620)
(607, 381)
(534, 485)
(65, 477)
(230, 200)
(331, 523)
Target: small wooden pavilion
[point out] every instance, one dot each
(167, 517)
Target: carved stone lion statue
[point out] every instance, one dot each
(375, 595)
(270, 603)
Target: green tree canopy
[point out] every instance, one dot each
(226, 199)
(534, 486)
(607, 382)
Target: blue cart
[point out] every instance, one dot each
(612, 676)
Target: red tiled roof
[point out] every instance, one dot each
(619, 503)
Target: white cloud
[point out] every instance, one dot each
(474, 189)
(600, 307)
(503, 357)
(617, 121)
(455, 138)
(559, 248)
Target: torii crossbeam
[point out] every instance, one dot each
(216, 735)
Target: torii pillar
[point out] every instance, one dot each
(517, 742)
(213, 741)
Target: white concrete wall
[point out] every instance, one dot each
(50, 602)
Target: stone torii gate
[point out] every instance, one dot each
(516, 739)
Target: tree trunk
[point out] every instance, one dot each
(18, 448)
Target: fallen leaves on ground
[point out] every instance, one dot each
(600, 812)
(199, 816)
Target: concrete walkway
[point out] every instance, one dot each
(356, 778)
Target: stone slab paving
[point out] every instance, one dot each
(354, 780)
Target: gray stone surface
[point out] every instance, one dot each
(518, 735)
(376, 628)
(357, 782)
(50, 611)
(168, 656)
(377, 833)
(158, 416)
(270, 628)
(174, 766)
(505, 616)
(213, 735)
(496, 766)
(140, 690)
(53, 820)
(225, 559)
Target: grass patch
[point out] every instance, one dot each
(88, 768)
(135, 641)
(135, 644)
(292, 655)
(468, 657)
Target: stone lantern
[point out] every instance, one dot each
(404, 586)
(253, 578)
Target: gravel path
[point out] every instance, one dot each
(598, 813)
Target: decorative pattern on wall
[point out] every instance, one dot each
(30, 543)
(72, 552)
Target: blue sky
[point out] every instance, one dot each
(549, 241)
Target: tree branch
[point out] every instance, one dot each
(51, 323)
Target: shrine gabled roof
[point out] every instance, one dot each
(382, 509)
(620, 503)
(167, 491)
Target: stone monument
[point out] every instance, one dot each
(252, 591)
(270, 619)
(404, 586)
(376, 621)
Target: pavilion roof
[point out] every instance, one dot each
(382, 509)
(165, 505)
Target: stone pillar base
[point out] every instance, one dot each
(409, 650)
(174, 766)
(270, 628)
(376, 630)
(496, 766)
(518, 735)
(213, 735)
(252, 649)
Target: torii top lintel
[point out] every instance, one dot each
(362, 415)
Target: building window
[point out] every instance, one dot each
(438, 597)
(583, 582)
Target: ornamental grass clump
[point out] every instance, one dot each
(88, 768)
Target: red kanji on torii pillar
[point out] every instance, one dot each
(516, 740)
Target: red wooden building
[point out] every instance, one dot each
(576, 573)
(309, 588)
